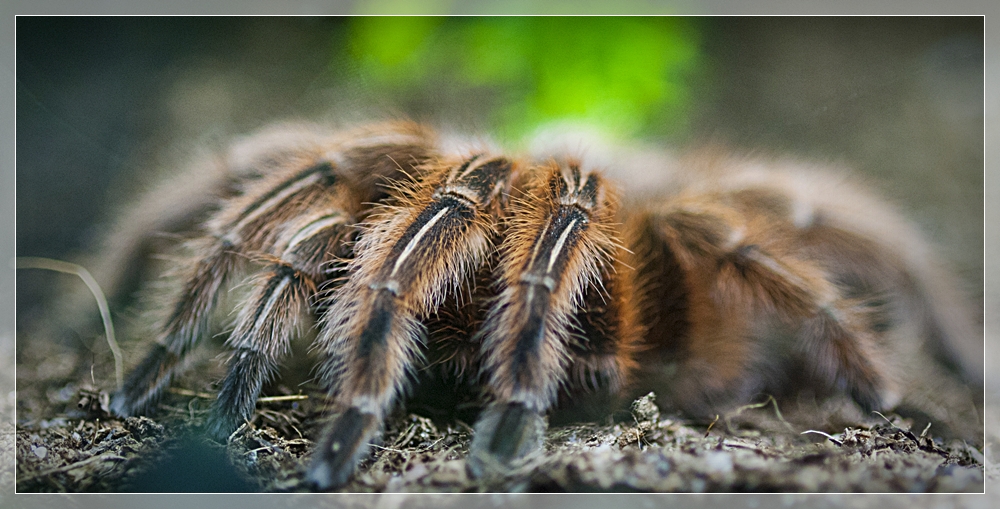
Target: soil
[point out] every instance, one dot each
(67, 442)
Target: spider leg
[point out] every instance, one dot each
(751, 299)
(411, 258)
(187, 323)
(274, 314)
(260, 222)
(559, 245)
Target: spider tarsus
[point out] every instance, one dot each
(345, 442)
(248, 371)
(505, 437)
(144, 385)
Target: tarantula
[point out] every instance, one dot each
(534, 278)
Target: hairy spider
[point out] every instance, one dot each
(535, 279)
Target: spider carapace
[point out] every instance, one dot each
(536, 278)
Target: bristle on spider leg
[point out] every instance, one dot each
(405, 265)
(248, 371)
(454, 331)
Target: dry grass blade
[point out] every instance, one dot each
(827, 435)
(30, 262)
(754, 406)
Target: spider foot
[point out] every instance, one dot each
(143, 388)
(344, 443)
(507, 436)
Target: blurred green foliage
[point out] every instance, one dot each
(627, 76)
(518, 7)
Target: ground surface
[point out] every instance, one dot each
(66, 442)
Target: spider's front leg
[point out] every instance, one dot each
(413, 255)
(558, 249)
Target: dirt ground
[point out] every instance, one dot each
(67, 442)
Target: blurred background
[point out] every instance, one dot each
(106, 105)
